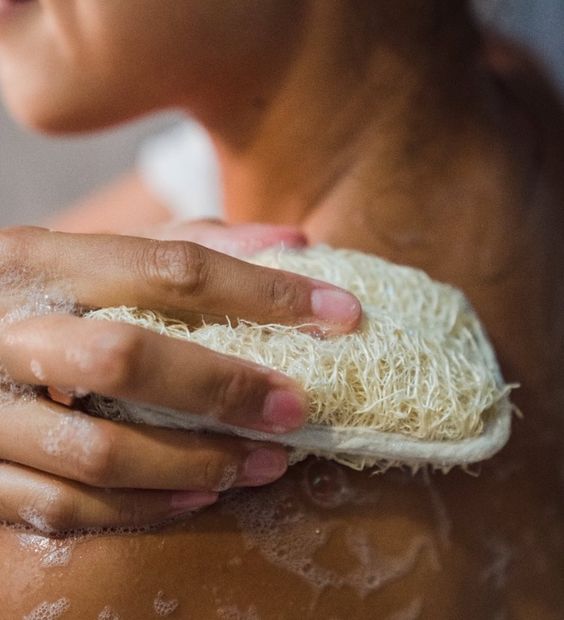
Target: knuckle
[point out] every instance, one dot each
(53, 510)
(217, 474)
(178, 266)
(286, 295)
(113, 360)
(95, 458)
(14, 250)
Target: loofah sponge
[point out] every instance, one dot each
(417, 384)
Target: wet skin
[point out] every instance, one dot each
(325, 542)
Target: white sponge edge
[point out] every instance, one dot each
(356, 447)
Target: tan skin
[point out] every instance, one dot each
(461, 181)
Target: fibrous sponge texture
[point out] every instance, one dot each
(420, 365)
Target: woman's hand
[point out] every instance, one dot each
(62, 469)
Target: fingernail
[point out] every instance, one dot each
(63, 396)
(183, 501)
(263, 466)
(284, 411)
(335, 306)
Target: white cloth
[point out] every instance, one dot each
(180, 166)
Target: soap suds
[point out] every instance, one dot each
(30, 297)
(48, 497)
(36, 519)
(164, 607)
(289, 535)
(49, 611)
(228, 478)
(326, 484)
(37, 370)
(70, 429)
(52, 552)
(108, 614)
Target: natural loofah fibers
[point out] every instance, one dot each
(417, 384)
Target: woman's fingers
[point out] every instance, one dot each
(177, 277)
(51, 504)
(103, 454)
(124, 361)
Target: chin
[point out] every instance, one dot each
(55, 98)
(41, 117)
(65, 111)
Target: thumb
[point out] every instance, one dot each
(238, 240)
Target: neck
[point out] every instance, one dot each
(393, 127)
(393, 139)
(367, 104)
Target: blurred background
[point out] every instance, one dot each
(39, 175)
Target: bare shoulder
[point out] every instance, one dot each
(323, 542)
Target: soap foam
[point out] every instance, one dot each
(37, 370)
(71, 428)
(53, 552)
(228, 478)
(108, 614)
(164, 607)
(49, 611)
(35, 519)
(31, 297)
(289, 534)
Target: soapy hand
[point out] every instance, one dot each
(61, 469)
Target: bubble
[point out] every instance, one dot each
(47, 498)
(375, 569)
(276, 523)
(290, 534)
(80, 356)
(37, 299)
(326, 484)
(82, 534)
(49, 611)
(228, 478)
(53, 552)
(70, 428)
(108, 614)
(36, 519)
(30, 297)
(37, 370)
(164, 607)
